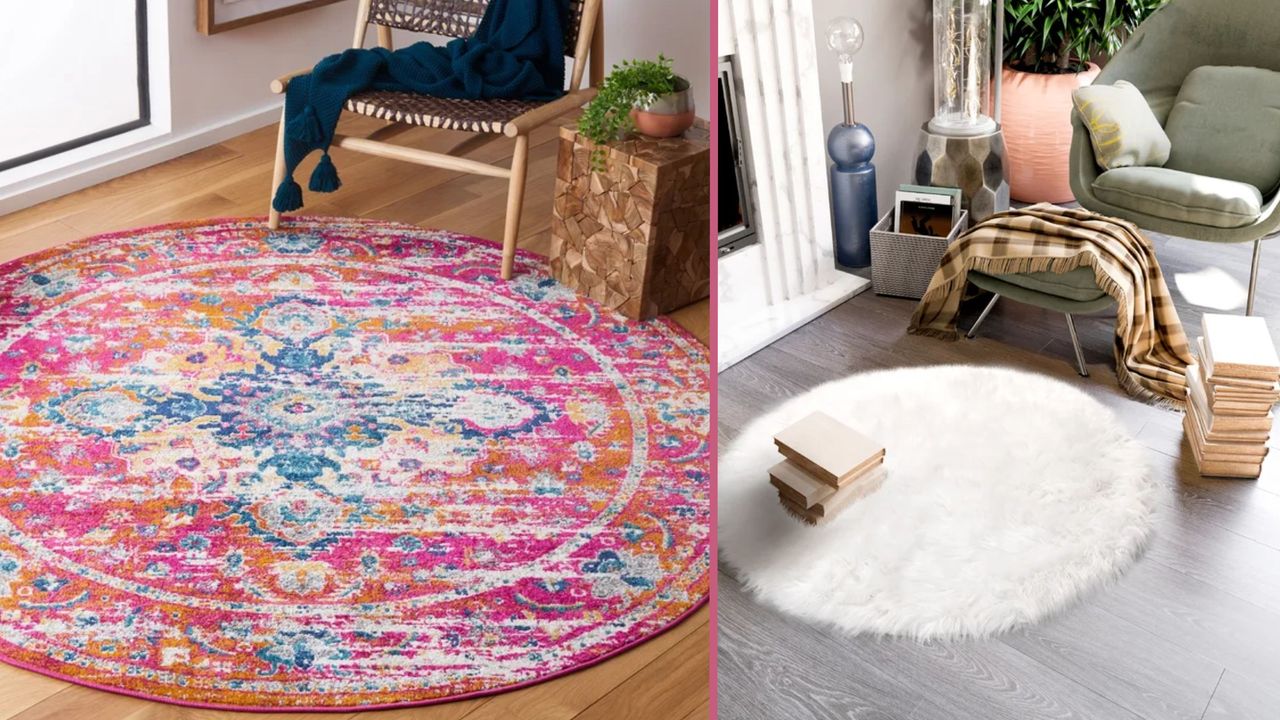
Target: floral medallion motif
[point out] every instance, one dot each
(339, 466)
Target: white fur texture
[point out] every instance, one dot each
(1009, 495)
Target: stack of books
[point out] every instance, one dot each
(926, 210)
(828, 465)
(1229, 396)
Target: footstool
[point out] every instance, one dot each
(1074, 291)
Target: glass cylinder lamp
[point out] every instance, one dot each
(962, 49)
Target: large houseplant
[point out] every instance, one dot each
(1048, 48)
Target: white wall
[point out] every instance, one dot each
(226, 75)
(219, 83)
(893, 80)
(680, 29)
(218, 78)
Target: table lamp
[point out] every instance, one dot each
(851, 146)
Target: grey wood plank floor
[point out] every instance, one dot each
(1192, 631)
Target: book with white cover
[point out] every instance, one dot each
(1216, 424)
(1223, 468)
(1239, 346)
(828, 449)
(1235, 385)
(824, 510)
(1225, 450)
(797, 485)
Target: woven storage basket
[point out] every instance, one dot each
(901, 263)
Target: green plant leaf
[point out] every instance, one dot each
(608, 116)
(1062, 35)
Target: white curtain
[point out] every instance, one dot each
(775, 45)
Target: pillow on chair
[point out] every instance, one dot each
(1124, 131)
(1225, 123)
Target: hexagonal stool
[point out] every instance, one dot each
(976, 165)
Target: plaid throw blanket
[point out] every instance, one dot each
(1151, 349)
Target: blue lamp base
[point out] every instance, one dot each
(853, 193)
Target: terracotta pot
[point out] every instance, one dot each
(668, 115)
(1036, 118)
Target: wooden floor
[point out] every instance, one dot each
(1191, 631)
(665, 678)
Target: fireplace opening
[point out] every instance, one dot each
(736, 208)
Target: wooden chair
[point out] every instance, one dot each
(584, 36)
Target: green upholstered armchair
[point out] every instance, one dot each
(1180, 37)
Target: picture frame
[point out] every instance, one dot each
(209, 21)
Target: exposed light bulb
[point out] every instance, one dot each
(844, 38)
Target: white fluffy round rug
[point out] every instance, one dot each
(1008, 496)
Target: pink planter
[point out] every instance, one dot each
(668, 115)
(1036, 118)
(662, 125)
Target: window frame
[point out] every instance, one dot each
(144, 103)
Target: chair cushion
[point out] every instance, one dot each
(479, 116)
(1000, 284)
(1180, 196)
(1077, 285)
(1225, 123)
(1121, 125)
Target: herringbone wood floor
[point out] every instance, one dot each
(665, 678)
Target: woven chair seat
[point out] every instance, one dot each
(455, 18)
(478, 116)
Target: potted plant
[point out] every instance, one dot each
(642, 95)
(1048, 47)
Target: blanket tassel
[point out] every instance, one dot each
(325, 177)
(288, 196)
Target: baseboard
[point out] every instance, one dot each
(741, 334)
(146, 153)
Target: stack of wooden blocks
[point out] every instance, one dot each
(1230, 394)
(828, 465)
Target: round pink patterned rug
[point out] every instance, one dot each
(340, 465)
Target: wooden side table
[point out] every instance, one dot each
(636, 236)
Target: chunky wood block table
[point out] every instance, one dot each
(635, 236)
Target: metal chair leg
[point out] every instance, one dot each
(1075, 343)
(986, 311)
(1253, 275)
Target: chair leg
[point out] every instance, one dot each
(986, 311)
(1253, 275)
(515, 203)
(273, 217)
(1075, 343)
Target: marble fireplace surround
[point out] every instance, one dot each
(789, 277)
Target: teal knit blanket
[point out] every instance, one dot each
(516, 52)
